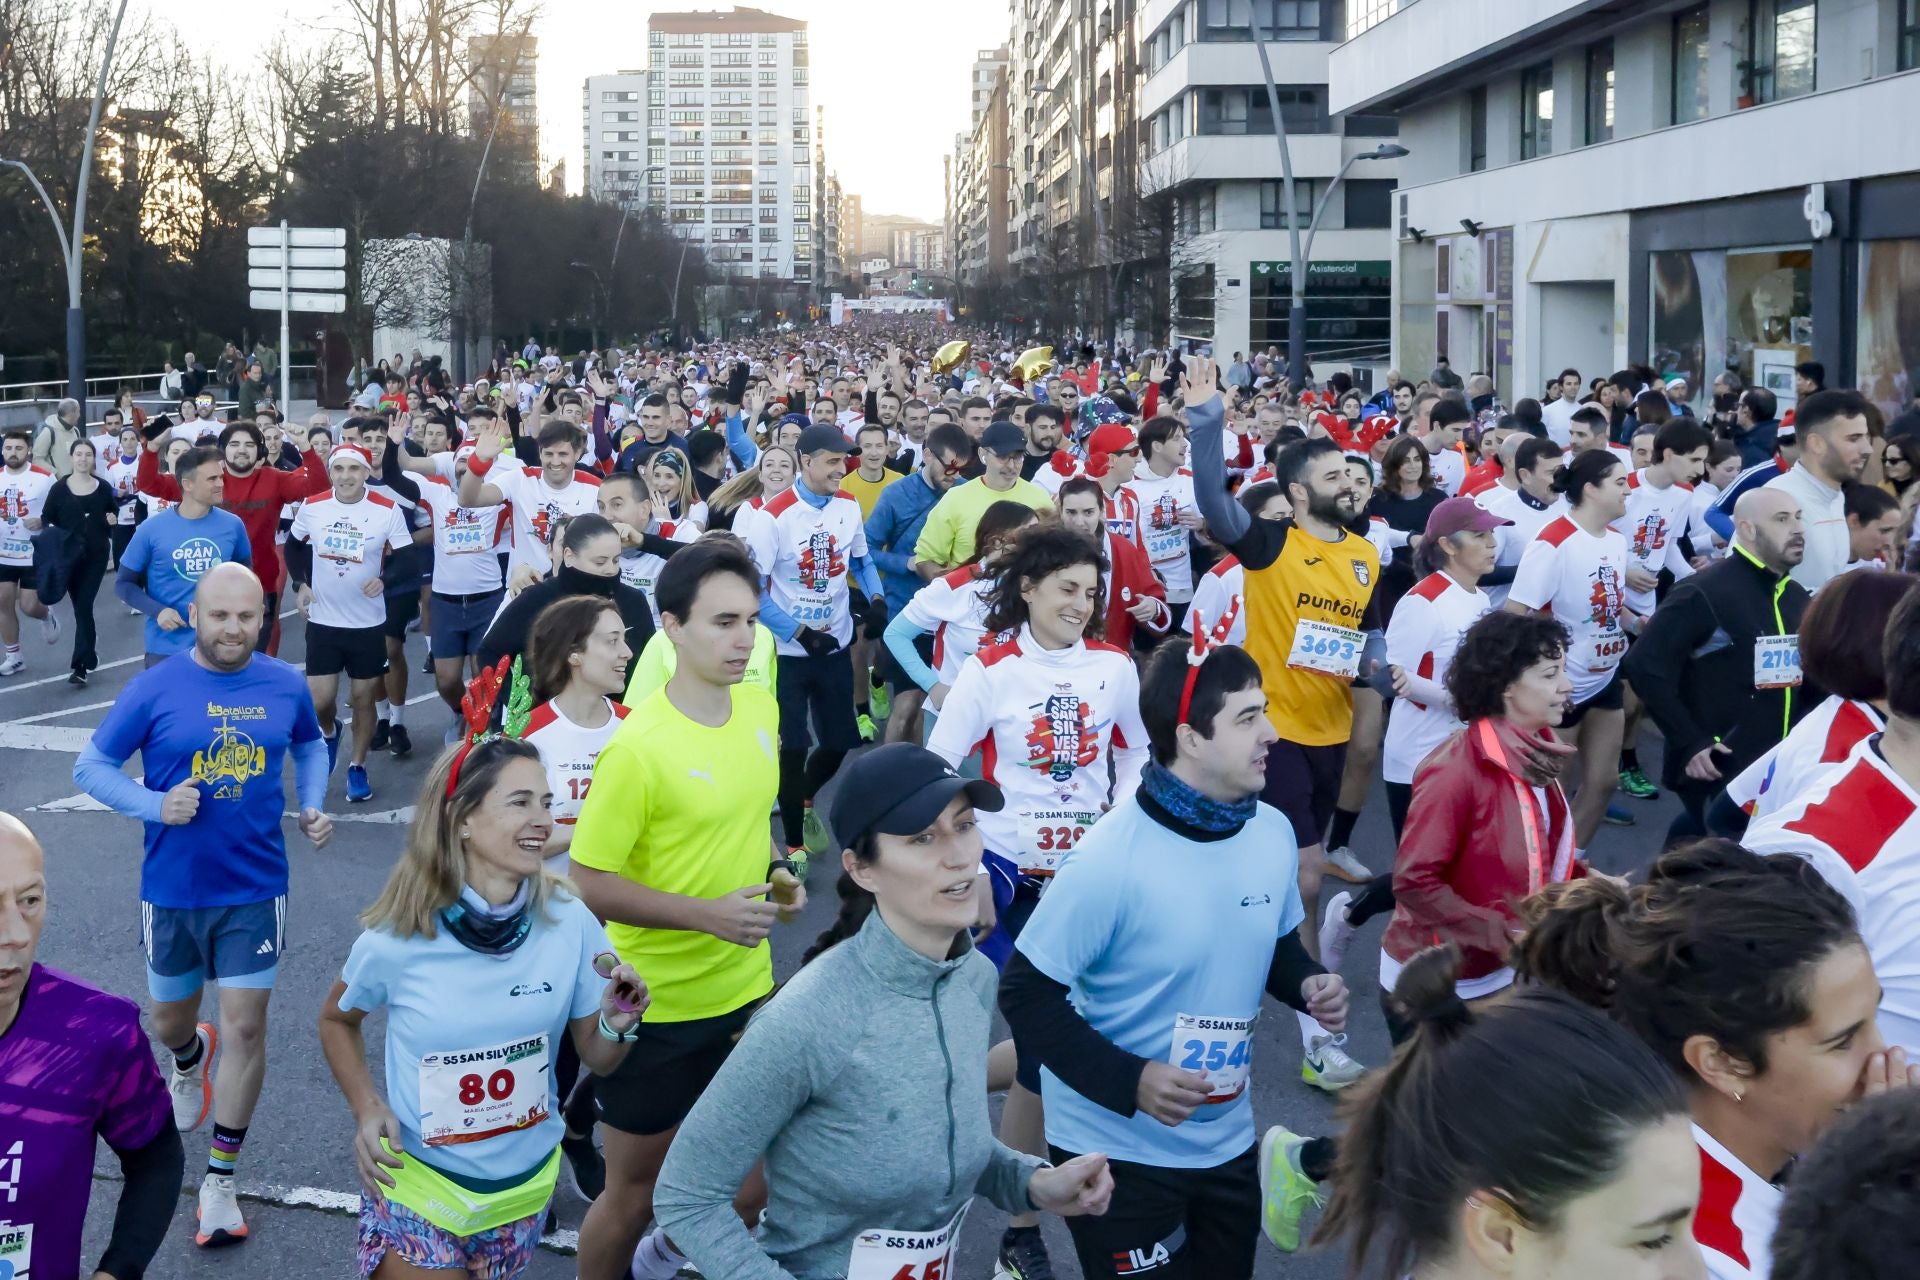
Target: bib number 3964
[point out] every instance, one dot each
(1221, 1047)
(1776, 662)
(1327, 648)
(473, 1094)
(886, 1254)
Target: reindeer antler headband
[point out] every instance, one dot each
(1205, 641)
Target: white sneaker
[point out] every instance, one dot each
(1342, 863)
(655, 1259)
(219, 1213)
(1335, 932)
(13, 665)
(192, 1091)
(1327, 1066)
(51, 623)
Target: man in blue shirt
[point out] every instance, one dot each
(214, 727)
(170, 554)
(1138, 978)
(892, 531)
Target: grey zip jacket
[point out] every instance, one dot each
(863, 1083)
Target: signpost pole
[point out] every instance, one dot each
(286, 305)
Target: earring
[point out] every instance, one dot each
(466, 833)
(1738, 1096)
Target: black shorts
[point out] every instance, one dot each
(401, 610)
(20, 573)
(822, 686)
(1177, 1224)
(1304, 783)
(1612, 697)
(893, 673)
(358, 651)
(669, 1066)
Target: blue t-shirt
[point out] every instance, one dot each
(173, 553)
(229, 733)
(480, 1033)
(1165, 943)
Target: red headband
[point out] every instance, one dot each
(476, 708)
(1205, 641)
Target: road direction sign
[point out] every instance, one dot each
(333, 281)
(276, 258)
(297, 237)
(332, 303)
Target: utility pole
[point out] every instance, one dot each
(76, 321)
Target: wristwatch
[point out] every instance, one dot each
(618, 1037)
(783, 864)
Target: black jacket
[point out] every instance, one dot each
(1693, 665)
(507, 637)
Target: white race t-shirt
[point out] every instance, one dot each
(537, 506)
(1737, 1214)
(466, 540)
(350, 542)
(1653, 524)
(1510, 540)
(1823, 738)
(23, 496)
(1216, 589)
(568, 751)
(1580, 579)
(641, 569)
(953, 608)
(1449, 470)
(807, 553)
(1421, 638)
(1162, 500)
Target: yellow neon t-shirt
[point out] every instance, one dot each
(659, 660)
(867, 492)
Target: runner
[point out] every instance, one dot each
(1055, 719)
(175, 548)
(1748, 977)
(339, 542)
(1575, 569)
(213, 727)
(1525, 1185)
(1309, 603)
(946, 541)
(1136, 598)
(952, 609)
(485, 966)
(81, 506)
(467, 585)
(23, 494)
(538, 496)
(1143, 1021)
(576, 661)
(1527, 507)
(74, 1069)
(672, 849)
(1163, 490)
(846, 1082)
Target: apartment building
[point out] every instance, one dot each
(1208, 141)
(978, 188)
(502, 80)
(1701, 186)
(613, 124)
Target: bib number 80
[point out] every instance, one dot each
(498, 1086)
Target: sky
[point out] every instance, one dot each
(895, 87)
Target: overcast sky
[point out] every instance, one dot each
(895, 78)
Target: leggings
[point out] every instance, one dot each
(84, 585)
(802, 774)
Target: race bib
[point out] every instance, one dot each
(1166, 544)
(1221, 1047)
(1327, 648)
(16, 1251)
(343, 544)
(16, 544)
(464, 538)
(1048, 835)
(882, 1253)
(471, 1095)
(1603, 652)
(1776, 662)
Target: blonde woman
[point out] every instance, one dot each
(484, 964)
(750, 490)
(670, 486)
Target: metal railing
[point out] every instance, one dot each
(48, 392)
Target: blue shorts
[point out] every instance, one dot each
(235, 946)
(460, 621)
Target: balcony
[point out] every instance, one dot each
(1213, 158)
(1197, 65)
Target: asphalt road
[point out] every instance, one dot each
(298, 1151)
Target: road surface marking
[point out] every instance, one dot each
(44, 737)
(59, 679)
(63, 712)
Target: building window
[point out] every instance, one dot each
(1536, 111)
(1193, 302)
(1278, 19)
(1273, 200)
(1690, 53)
(1370, 126)
(1196, 214)
(1369, 202)
(1245, 110)
(1349, 307)
(1782, 54)
(1909, 34)
(1599, 92)
(1477, 129)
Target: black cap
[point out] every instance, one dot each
(1003, 438)
(900, 790)
(822, 439)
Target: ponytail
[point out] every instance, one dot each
(856, 904)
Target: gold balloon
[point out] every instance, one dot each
(951, 356)
(1033, 362)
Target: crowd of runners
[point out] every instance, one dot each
(1131, 637)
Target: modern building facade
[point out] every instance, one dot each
(1697, 186)
(502, 80)
(1208, 141)
(977, 218)
(613, 124)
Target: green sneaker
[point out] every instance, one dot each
(881, 701)
(1638, 785)
(866, 728)
(801, 860)
(813, 833)
(1286, 1191)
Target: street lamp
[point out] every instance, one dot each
(1297, 305)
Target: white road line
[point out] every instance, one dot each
(45, 716)
(379, 817)
(81, 803)
(61, 679)
(44, 737)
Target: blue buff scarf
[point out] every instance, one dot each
(478, 925)
(1192, 808)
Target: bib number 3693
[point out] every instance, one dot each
(473, 1094)
(1776, 662)
(1327, 648)
(1221, 1047)
(886, 1254)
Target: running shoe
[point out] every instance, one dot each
(219, 1213)
(585, 1166)
(78, 679)
(1638, 785)
(1327, 1066)
(13, 665)
(880, 700)
(380, 731)
(1286, 1192)
(399, 741)
(1023, 1256)
(358, 788)
(192, 1091)
(51, 625)
(813, 832)
(333, 751)
(1342, 865)
(426, 664)
(1335, 932)
(1616, 816)
(801, 861)
(867, 729)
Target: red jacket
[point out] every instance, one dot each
(256, 498)
(1131, 580)
(1465, 859)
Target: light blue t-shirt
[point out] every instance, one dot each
(477, 1036)
(1165, 943)
(173, 553)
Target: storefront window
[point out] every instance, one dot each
(1747, 310)
(1888, 339)
(1349, 307)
